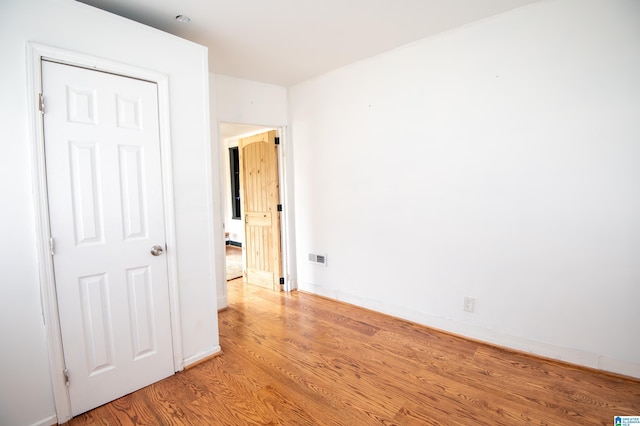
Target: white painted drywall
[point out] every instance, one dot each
(499, 161)
(249, 102)
(25, 389)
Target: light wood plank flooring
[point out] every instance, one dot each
(298, 359)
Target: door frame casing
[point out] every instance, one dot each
(36, 52)
(286, 217)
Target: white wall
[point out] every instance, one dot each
(499, 161)
(25, 389)
(244, 102)
(249, 102)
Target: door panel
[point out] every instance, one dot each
(143, 330)
(134, 214)
(85, 194)
(259, 177)
(96, 323)
(104, 183)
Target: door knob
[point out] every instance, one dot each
(157, 250)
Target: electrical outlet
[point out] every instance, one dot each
(469, 304)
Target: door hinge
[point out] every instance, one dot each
(281, 280)
(65, 374)
(277, 140)
(52, 246)
(279, 207)
(41, 103)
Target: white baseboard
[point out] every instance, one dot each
(222, 302)
(201, 355)
(48, 421)
(569, 355)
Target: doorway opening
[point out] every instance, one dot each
(237, 245)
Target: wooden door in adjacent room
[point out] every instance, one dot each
(260, 195)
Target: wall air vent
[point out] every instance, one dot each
(320, 259)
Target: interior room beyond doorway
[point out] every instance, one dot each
(230, 134)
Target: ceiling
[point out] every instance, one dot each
(233, 130)
(285, 42)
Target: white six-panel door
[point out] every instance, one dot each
(104, 183)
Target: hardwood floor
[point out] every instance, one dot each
(233, 261)
(298, 359)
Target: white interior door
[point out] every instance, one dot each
(104, 182)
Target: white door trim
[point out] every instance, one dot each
(286, 218)
(35, 53)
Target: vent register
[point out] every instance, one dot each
(320, 259)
